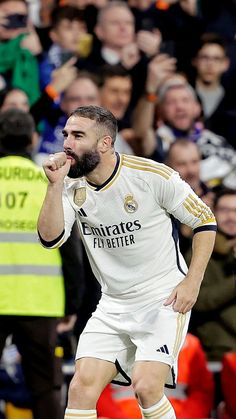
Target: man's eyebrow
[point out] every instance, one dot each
(64, 131)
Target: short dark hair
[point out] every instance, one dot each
(104, 119)
(209, 38)
(221, 193)
(109, 71)
(16, 130)
(71, 13)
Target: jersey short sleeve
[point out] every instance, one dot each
(177, 197)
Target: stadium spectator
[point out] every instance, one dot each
(214, 314)
(218, 103)
(221, 19)
(115, 91)
(178, 117)
(14, 98)
(184, 156)
(210, 62)
(19, 46)
(68, 28)
(118, 44)
(116, 32)
(115, 95)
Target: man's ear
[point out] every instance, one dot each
(197, 109)
(105, 143)
(226, 64)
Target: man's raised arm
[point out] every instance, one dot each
(51, 217)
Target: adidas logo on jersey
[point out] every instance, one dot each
(82, 213)
(163, 349)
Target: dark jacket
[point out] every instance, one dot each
(214, 314)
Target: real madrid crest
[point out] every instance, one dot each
(80, 196)
(130, 204)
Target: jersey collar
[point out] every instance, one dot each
(111, 179)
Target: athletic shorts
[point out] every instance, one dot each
(152, 333)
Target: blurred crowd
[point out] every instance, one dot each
(166, 69)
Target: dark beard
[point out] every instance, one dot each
(83, 165)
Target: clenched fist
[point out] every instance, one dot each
(57, 166)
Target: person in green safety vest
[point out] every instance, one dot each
(31, 282)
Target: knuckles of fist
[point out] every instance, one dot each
(55, 161)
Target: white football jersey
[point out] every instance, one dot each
(128, 226)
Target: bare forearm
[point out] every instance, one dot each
(143, 127)
(143, 116)
(51, 217)
(203, 243)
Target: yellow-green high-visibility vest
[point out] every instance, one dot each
(31, 281)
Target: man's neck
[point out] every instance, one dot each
(200, 84)
(103, 170)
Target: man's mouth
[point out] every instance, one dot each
(70, 155)
(181, 116)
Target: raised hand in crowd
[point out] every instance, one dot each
(130, 55)
(189, 6)
(160, 68)
(63, 76)
(149, 42)
(32, 42)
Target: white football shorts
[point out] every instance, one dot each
(152, 333)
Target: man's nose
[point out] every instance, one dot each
(68, 141)
(180, 106)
